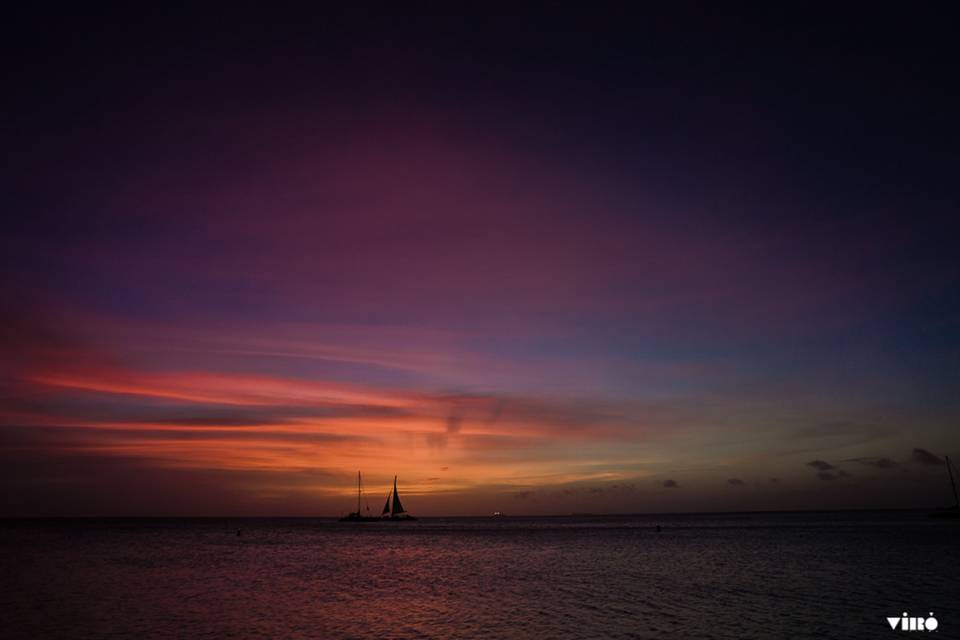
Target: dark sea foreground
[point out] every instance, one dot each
(790, 575)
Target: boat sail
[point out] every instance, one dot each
(392, 508)
(395, 512)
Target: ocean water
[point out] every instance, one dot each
(802, 575)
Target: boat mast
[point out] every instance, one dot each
(358, 493)
(953, 485)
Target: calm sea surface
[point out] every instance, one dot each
(810, 575)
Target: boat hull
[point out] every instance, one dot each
(353, 517)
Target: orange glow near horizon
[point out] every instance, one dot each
(436, 443)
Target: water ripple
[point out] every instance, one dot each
(789, 575)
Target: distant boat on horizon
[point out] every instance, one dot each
(392, 510)
(954, 511)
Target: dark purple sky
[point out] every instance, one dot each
(531, 260)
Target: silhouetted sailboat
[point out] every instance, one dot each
(358, 516)
(391, 511)
(394, 511)
(954, 511)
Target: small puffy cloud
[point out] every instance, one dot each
(922, 456)
(671, 484)
(735, 482)
(820, 465)
(828, 476)
(879, 463)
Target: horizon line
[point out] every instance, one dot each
(485, 516)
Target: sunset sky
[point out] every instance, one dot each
(533, 261)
